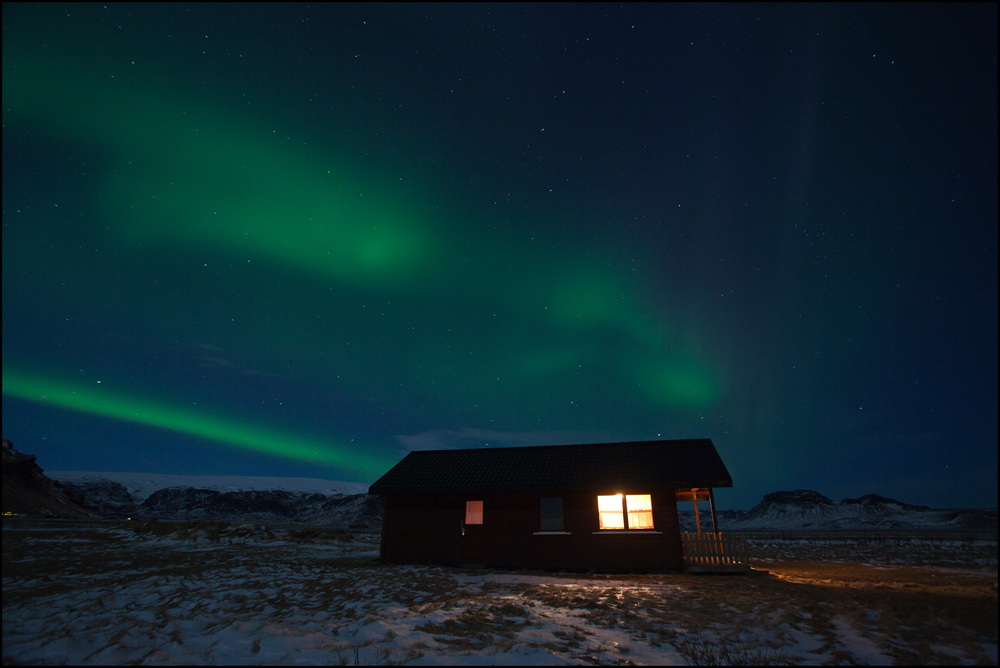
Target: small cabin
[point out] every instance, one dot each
(608, 507)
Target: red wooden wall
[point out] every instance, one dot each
(428, 529)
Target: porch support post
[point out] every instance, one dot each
(711, 504)
(697, 519)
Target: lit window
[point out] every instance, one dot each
(610, 508)
(473, 512)
(637, 508)
(640, 511)
(551, 512)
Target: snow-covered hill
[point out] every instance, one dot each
(685, 515)
(808, 510)
(141, 485)
(268, 499)
(345, 504)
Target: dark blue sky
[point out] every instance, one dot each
(302, 240)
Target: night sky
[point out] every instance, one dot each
(302, 240)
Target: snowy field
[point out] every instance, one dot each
(201, 593)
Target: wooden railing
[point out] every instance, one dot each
(713, 549)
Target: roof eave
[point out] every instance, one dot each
(553, 489)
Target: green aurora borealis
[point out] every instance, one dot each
(77, 397)
(297, 262)
(204, 187)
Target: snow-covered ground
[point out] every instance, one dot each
(141, 485)
(201, 592)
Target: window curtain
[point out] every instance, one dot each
(610, 508)
(640, 511)
(473, 512)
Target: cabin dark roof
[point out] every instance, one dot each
(592, 467)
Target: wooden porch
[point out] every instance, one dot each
(714, 553)
(710, 552)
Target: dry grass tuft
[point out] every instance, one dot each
(729, 650)
(357, 654)
(478, 626)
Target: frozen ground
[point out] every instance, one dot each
(204, 593)
(905, 549)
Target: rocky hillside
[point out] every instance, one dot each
(353, 511)
(26, 490)
(112, 498)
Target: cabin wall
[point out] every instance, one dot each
(422, 529)
(428, 529)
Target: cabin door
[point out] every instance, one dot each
(474, 534)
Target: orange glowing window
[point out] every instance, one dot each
(640, 511)
(636, 508)
(473, 512)
(610, 509)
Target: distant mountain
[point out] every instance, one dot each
(345, 511)
(880, 504)
(808, 510)
(344, 504)
(236, 498)
(26, 490)
(141, 485)
(689, 523)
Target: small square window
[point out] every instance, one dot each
(473, 512)
(551, 513)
